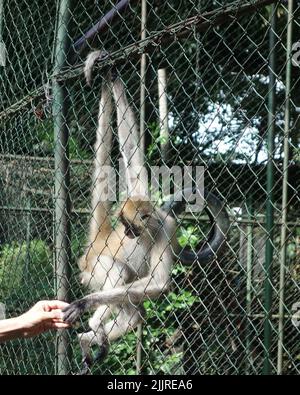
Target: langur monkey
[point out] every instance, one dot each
(132, 262)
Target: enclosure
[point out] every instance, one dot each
(215, 83)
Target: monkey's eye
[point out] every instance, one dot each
(145, 216)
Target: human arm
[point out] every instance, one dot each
(43, 316)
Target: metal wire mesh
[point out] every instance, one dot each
(232, 94)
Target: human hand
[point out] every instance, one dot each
(43, 316)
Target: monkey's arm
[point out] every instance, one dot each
(149, 287)
(130, 141)
(100, 226)
(100, 193)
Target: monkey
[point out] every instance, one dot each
(128, 264)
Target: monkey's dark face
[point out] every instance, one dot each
(131, 230)
(137, 217)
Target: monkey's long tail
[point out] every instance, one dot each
(216, 241)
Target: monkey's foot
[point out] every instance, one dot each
(102, 353)
(89, 361)
(72, 312)
(86, 366)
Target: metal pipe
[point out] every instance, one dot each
(249, 285)
(82, 211)
(2, 46)
(101, 26)
(139, 346)
(285, 186)
(62, 181)
(163, 113)
(143, 77)
(28, 239)
(139, 349)
(1, 18)
(267, 367)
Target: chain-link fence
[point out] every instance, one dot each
(214, 84)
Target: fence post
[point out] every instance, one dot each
(143, 77)
(62, 181)
(28, 238)
(2, 47)
(1, 18)
(249, 281)
(163, 113)
(139, 346)
(285, 185)
(270, 196)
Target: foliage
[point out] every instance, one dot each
(42, 142)
(12, 263)
(189, 236)
(20, 261)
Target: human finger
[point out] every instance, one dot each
(56, 304)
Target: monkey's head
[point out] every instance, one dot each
(139, 216)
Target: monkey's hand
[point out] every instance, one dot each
(72, 312)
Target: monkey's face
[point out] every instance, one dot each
(137, 216)
(131, 230)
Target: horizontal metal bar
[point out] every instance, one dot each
(43, 159)
(42, 210)
(82, 211)
(26, 209)
(241, 315)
